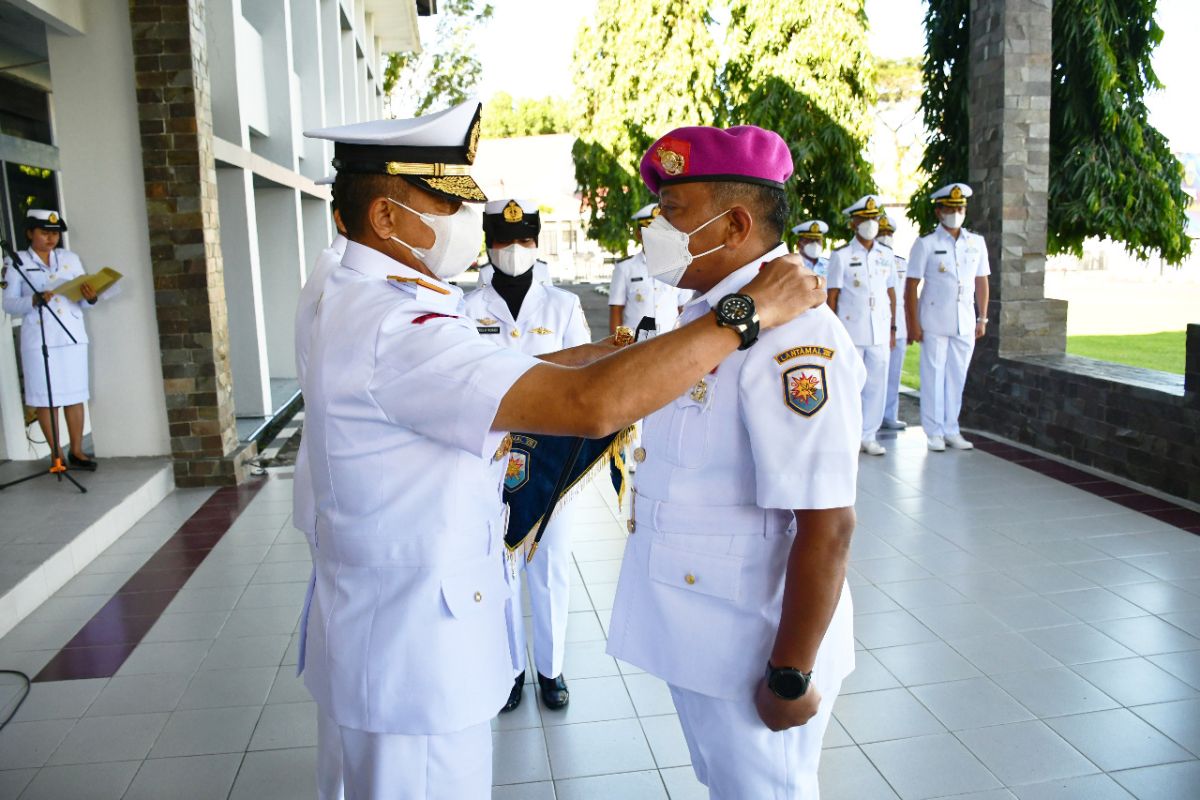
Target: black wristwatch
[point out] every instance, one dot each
(736, 311)
(788, 683)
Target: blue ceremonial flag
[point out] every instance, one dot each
(544, 469)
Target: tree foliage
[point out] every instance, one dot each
(446, 72)
(641, 67)
(1112, 174)
(503, 116)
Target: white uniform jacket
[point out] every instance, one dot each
(863, 277)
(774, 428)
(949, 268)
(541, 274)
(18, 299)
(304, 511)
(406, 632)
(550, 319)
(643, 296)
(901, 317)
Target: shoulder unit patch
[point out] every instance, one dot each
(804, 389)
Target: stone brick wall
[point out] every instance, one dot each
(175, 116)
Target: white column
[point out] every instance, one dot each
(96, 127)
(281, 255)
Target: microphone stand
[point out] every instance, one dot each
(57, 468)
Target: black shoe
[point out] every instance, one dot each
(514, 697)
(554, 692)
(86, 464)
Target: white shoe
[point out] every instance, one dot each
(937, 444)
(873, 448)
(893, 425)
(956, 441)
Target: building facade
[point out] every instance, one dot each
(168, 133)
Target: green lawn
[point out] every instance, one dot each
(1161, 351)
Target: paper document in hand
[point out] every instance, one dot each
(100, 282)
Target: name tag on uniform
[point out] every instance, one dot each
(856, 263)
(939, 252)
(634, 280)
(488, 328)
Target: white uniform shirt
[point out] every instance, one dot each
(644, 296)
(406, 633)
(18, 298)
(820, 266)
(541, 274)
(774, 428)
(949, 267)
(304, 512)
(550, 319)
(863, 277)
(901, 317)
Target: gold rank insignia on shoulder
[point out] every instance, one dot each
(424, 284)
(513, 212)
(699, 391)
(542, 331)
(504, 448)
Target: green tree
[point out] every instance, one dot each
(1111, 172)
(504, 117)
(641, 67)
(803, 70)
(446, 71)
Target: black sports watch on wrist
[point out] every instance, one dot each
(736, 311)
(788, 683)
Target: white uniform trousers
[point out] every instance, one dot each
(737, 757)
(549, 578)
(891, 406)
(874, 392)
(397, 766)
(944, 362)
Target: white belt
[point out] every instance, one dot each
(708, 520)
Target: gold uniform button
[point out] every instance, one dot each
(479, 597)
(639, 455)
(689, 579)
(515, 334)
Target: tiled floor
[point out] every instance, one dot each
(1021, 638)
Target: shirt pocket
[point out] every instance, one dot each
(470, 593)
(688, 428)
(710, 574)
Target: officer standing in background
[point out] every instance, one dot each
(518, 312)
(811, 238)
(540, 270)
(732, 588)
(407, 655)
(634, 295)
(862, 291)
(891, 406)
(949, 314)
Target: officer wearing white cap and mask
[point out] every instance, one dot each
(891, 407)
(540, 270)
(811, 238)
(634, 294)
(406, 652)
(948, 315)
(862, 290)
(517, 311)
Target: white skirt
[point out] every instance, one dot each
(68, 376)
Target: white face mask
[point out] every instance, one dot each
(666, 248)
(955, 220)
(455, 239)
(812, 250)
(513, 260)
(868, 229)
(885, 240)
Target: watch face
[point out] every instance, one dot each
(736, 308)
(788, 683)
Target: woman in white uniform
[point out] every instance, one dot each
(516, 310)
(48, 267)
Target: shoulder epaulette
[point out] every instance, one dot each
(401, 282)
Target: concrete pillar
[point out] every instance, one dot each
(244, 293)
(272, 20)
(318, 228)
(282, 260)
(95, 102)
(1009, 106)
(180, 183)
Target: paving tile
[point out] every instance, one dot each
(627, 786)
(1135, 682)
(542, 790)
(651, 696)
(959, 621)
(276, 775)
(927, 593)
(206, 731)
(228, 687)
(847, 773)
(983, 585)
(139, 694)
(97, 739)
(1165, 782)
(1118, 739)
(1185, 666)
(583, 626)
(928, 662)
(1159, 597)
(58, 700)
(246, 651)
(973, 703)
(592, 699)
(185, 627)
(1093, 605)
(1089, 787)
(1054, 692)
(1025, 752)
(286, 725)
(1180, 720)
(82, 781)
(187, 778)
(1078, 644)
(25, 745)
(880, 716)
(598, 748)
(588, 660)
(1110, 572)
(869, 675)
(930, 766)
(887, 570)
(519, 756)
(890, 629)
(998, 653)
(872, 600)
(1028, 613)
(1148, 636)
(156, 657)
(835, 735)
(14, 781)
(667, 741)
